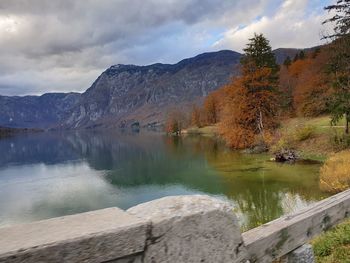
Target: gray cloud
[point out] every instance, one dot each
(64, 45)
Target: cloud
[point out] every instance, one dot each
(64, 45)
(293, 25)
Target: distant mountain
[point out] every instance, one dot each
(127, 94)
(44, 111)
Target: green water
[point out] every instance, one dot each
(46, 175)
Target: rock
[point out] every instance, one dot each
(286, 155)
(303, 254)
(191, 229)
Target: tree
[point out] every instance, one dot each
(211, 109)
(258, 54)
(287, 62)
(301, 54)
(296, 57)
(339, 66)
(196, 116)
(175, 122)
(251, 107)
(312, 89)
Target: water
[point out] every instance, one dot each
(46, 175)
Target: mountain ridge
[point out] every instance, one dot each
(125, 94)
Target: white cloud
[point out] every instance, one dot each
(291, 26)
(64, 45)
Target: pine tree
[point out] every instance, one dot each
(252, 108)
(259, 53)
(296, 57)
(287, 62)
(302, 54)
(339, 66)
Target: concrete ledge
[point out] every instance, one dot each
(97, 236)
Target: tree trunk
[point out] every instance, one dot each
(261, 125)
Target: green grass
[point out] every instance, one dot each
(334, 245)
(206, 130)
(312, 138)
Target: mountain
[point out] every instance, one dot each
(36, 111)
(128, 94)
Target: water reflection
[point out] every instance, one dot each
(52, 174)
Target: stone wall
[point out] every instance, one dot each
(171, 229)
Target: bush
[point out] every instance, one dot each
(304, 132)
(289, 138)
(335, 173)
(340, 141)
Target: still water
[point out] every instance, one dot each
(46, 175)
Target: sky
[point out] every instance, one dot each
(64, 45)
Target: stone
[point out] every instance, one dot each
(191, 229)
(303, 254)
(97, 236)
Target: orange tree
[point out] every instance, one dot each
(250, 111)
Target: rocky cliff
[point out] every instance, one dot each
(127, 94)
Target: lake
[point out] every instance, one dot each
(51, 174)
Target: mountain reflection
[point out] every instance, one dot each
(52, 174)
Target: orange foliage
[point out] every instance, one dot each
(196, 117)
(250, 109)
(304, 85)
(211, 109)
(175, 122)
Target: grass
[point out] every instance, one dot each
(335, 173)
(313, 138)
(206, 130)
(334, 245)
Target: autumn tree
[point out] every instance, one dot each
(175, 122)
(339, 66)
(251, 107)
(196, 116)
(211, 109)
(312, 90)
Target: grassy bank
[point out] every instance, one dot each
(334, 245)
(205, 131)
(312, 138)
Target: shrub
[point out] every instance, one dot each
(340, 141)
(335, 173)
(304, 132)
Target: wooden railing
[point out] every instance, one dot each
(281, 236)
(171, 229)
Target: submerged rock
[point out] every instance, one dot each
(286, 156)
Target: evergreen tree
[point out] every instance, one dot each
(301, 54)
(316, 52)
(252, 108)
(296, 57)
(287, 62)
(258, 52)
(339, 66)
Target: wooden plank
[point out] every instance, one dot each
(281, 236)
